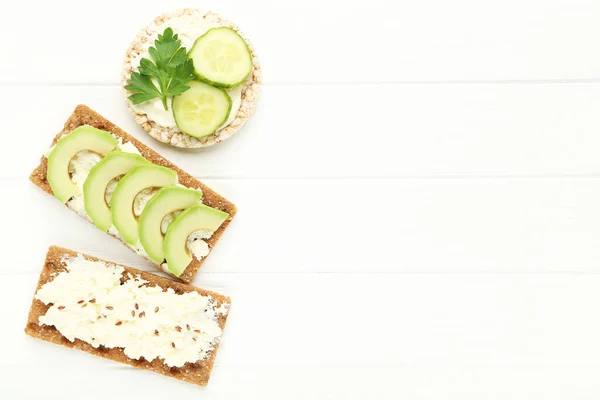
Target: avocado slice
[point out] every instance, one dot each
(166, 201)
(136, 180)
(196, 218)
(82, 138)
(116, 163)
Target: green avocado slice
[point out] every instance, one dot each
(136, 180)
(80, 139)
(166, 201)
(196, 218)
(115, 164)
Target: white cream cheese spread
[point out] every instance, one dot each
(188, 28)
(89, 302)
(110, 189)
(142, 198)
(128, 147)
(167, 220)
(197, 245)
(79, 169)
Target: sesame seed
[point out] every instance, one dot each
(83, 306)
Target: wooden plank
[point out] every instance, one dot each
(390, 335)
(347, 131)
(378, 226)
(316, 41)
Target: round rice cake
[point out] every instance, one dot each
(172, 135)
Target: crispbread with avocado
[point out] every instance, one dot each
(83, 115)
(197, 373)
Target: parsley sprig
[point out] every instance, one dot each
(171, 70)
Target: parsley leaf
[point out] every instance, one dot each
(169, 68)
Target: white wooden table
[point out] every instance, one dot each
(418, 193)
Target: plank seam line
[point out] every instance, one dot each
(381, 178)
(370, 273)
(325, 84)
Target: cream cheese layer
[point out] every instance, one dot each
(89, 302)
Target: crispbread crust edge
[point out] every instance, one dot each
(83, 115)
(197, 373)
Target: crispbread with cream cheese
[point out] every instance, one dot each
(173, 136)
(197, 373)
(83, 115)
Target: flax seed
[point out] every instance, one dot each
(178, 328)
(61, 307)
(80, 301)
(142, 314)
(136, 306)
(118, 323)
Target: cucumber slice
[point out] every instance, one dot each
(221, 58)
(201, 110)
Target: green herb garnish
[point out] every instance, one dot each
(171, 70)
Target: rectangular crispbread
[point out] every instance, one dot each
(197, 373)
(83, 115)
